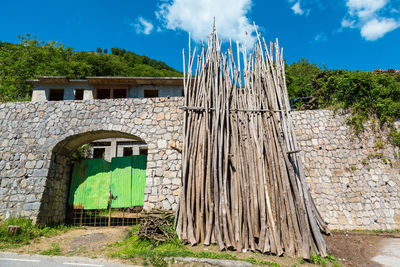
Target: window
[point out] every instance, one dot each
(128, 151)
(56, 94)
(78, 94)
(119, 93)
(98, 153)
(103, 93)
(101, 144)
(183, 92)
(143, 151)
(150, 93)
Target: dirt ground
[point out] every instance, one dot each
(356, 249)
(88, 242)
(352, 249)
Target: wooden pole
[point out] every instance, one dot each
(243, 184)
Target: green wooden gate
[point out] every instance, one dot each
(94, 179)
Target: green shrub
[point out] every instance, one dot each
(29, 232)
(156, 252)
(317, 259)
(365, 94)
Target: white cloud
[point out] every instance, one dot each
(365, 8)
(297, 9)
(142, 26)
(320, 37)
(196, 17)
(371, 17)
(303, 7)
(375, 29)
(348, 23)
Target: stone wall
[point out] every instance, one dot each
(37, 139)
(354, 181)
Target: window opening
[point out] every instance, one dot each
(98, 153)
(78, 94)
(103, 93)
(128, 151)
(101, 143)
(150, 93)
(56, 95)
(143, 151)
(120, 93)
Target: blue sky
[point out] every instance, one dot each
(350, 34)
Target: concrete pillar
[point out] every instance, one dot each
(113, 148)
(87, 94)
(39, 95)
(135, 150)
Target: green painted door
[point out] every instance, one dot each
(139, 165)
(90, 184)
(77, 187)
(93, 179)
(97, 189)
(121, 182)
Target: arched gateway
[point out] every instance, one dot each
(43, 136)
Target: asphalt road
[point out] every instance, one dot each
(389, 255)
(22, 260)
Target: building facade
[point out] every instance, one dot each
(58, 88)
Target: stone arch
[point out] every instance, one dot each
(71, 143)
(55, 196)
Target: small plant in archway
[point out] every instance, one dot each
(83, 152)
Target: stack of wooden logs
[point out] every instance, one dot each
(243, 184)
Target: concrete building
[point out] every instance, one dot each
(117, 147)
(58, 88)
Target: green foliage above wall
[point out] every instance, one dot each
(366, 94)
(299, 77)
(31, 58)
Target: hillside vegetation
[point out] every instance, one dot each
(31, 58)
(366, 94)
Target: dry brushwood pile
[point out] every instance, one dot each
(243, 184)
(154, 225)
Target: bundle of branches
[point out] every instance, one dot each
(155, 225)
(243, 184)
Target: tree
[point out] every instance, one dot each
(99, 50)
(105, 51)
(299, 77)
(32, 57)
(115, 51)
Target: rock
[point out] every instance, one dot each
(14, 229)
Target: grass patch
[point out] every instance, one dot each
(54, 250)
(261, 262)
(324, 261)
(160, 254)
(29, 232)
(157, 253)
